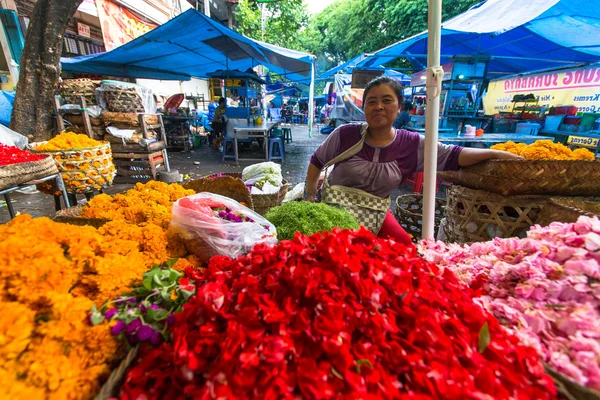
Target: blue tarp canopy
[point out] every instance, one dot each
(519, 36)
(349, 65)
(191, 45)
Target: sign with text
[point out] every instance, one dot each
(419, 77)
(360, 77)
(579, 87)
(83, 30)
(583, 141)
(119, 24)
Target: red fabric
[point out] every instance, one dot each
(391, 229)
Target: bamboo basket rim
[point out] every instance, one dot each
(32, 147)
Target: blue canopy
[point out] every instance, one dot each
(191, 45)
(518, 35)
(349, 65)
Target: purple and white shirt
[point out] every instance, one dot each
(379, 169)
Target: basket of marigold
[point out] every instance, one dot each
(547, 169)
(84, 163)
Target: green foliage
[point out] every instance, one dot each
(308, 218)
(285, 21)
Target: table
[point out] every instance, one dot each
(489, 138)
(251, 131)
(59, 184)
(422, 130)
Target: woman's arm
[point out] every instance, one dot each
(312, 179)
(469, 156)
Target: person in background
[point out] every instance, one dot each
(389, 155)
(218, 122)
(402, 121)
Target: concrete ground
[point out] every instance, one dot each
(197, 163)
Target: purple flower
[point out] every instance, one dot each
(110, 313)
(144, 333)
(133, 326)
(131, 300)
(118, 328)
(156, 338)
(227, 209)
(171, 320)
(142, 308)
(154, 307)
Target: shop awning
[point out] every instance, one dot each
(191, 45)
(519, 36)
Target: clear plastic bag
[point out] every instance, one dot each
(206, 235)
(12, 138)
(266, 171)
(295, 194)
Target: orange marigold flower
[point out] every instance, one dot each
(545, 150)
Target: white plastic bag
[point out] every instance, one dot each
(296, 193)
(266, 171)
(12, 138)
(195, 220)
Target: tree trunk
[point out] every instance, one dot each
(40, 68)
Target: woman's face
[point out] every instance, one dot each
(381, 106)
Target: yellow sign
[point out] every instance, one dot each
(572, 87)
(583, 141)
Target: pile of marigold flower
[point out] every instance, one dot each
(544, 150)
(342, 315)
(150, 202)
(545, 289)
(51, 276)
(68, 140)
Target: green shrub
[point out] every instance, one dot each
(308, 218)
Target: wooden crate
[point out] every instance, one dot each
(138, 167)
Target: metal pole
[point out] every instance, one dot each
(207, 8)
(311, 96)
(434, 80)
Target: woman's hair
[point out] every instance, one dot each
(385, 80)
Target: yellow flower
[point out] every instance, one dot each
(544, 150)
(68, 140)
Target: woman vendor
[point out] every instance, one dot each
(388, 155)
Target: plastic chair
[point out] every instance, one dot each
(417, 180)
(287, 135)
(227, 140)
(279, 142)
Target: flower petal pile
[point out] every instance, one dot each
(545, 289)
(342, 315)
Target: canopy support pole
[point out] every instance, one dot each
(311, 96)
(435, 76)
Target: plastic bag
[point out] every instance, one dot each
(205, 234)
(266, 171)
(12, 138)
(296, 193)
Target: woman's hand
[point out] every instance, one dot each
(505, 155)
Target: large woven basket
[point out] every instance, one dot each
(543, 177)
(409, 213)
(122, 100)
(479, 215)
(112, 386)
(569, 390)
(16, 174)
(264, 202)
(83, 169)
(568, 209)
(73, 216)
(72, 89)
(226, 185)
(127, 119)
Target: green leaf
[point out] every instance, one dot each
(157, 280)
(362, 362)
(484, 337)
(147, 282)
(96, 317)
(337, 374)
(169, 263)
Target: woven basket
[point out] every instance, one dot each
(479, 215)
(73, 216)
(542, 177)
(409, 213)
(82, 169)
(264, 202)
(112, 386)
(129, 119)
(72, 89)
(568, 209)
(225, 185)
(16, 174)
(567, 389)
(122, 100)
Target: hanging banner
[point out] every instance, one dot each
(572, 87)
(120, 25)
